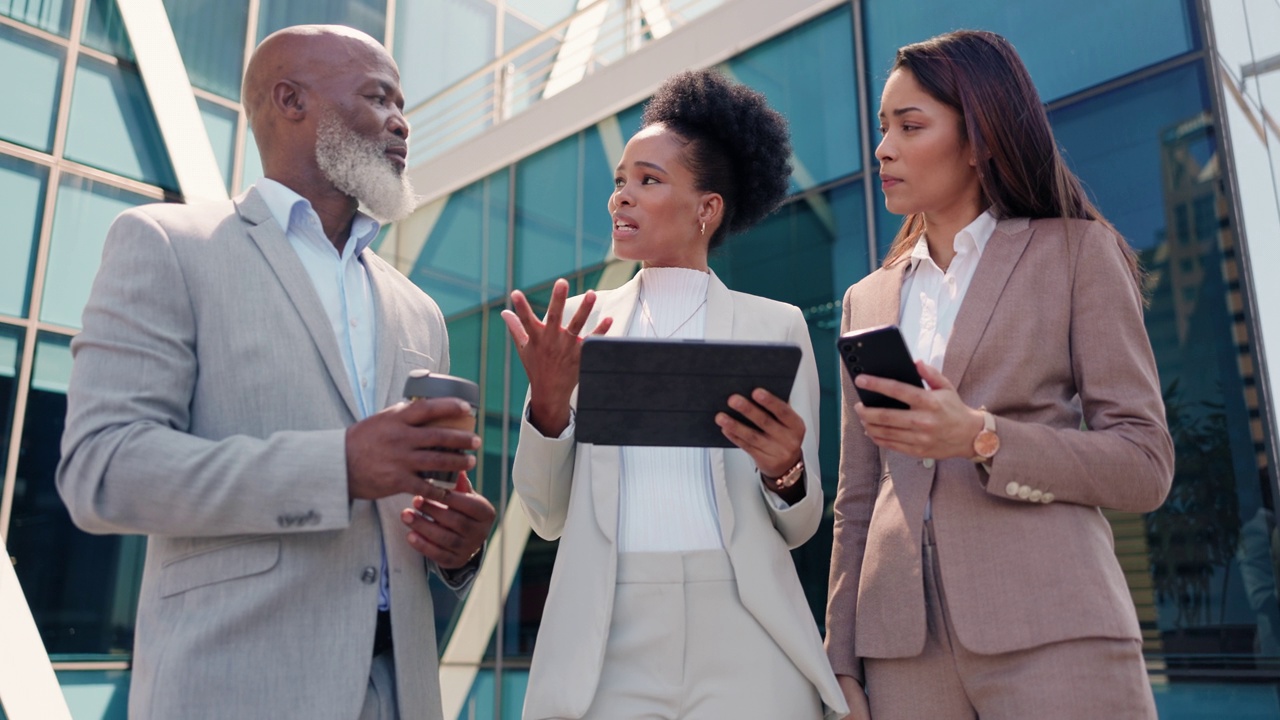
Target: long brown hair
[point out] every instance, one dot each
(1020, 169)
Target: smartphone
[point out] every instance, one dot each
(878, 351)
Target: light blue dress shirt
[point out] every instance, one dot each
(342, 282)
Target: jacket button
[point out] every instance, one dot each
(1035, 496)
(1012, 489)
(927, 463)
(1046, 498)
(369, 576)
(1024, 492)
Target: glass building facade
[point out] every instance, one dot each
(1166, 109)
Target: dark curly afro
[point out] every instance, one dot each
(738, 145)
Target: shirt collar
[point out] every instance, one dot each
(289, 208)
(974, 236)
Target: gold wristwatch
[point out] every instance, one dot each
(788, 478)
(987, 443)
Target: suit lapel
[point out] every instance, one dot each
(719, 326)
(606, 460)
(284, 262)
(1000, 256)
(387, 325)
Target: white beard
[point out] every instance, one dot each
(358, 166)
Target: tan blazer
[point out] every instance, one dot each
(207, 410)
(570, 491)
(1050, 334)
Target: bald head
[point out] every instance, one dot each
(303, 53)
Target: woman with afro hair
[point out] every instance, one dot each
(674, 594)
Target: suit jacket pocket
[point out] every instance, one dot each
(241, 558)
(414, 360)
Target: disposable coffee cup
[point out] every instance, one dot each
(426, 384)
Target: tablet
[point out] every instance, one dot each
(667, 392)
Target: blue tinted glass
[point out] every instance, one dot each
(104, 29)
(516, 31)
(439, 42)
(211, 37)
(252, 169)
(112, 126)
(367, 15)
(49, 15)
(461, 257)
(1149, 154)
(1066, 46)
(220, 124)
(97, 694)
(73, 623)
(22, 190)
(543, 12)
(81, 217)
(598, 164)
(10, 356)
(808, 76)
(547, 206)
(29, 122)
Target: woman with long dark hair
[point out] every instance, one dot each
(973, 574)
(673, 593)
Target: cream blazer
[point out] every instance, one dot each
(1049, 336)
(569, 490)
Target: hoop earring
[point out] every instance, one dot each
(703, 231)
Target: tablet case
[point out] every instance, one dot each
(667, 392)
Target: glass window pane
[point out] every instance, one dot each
(22, 190)
(547, 213)
(808, 76)
(210, 37)
(252, 170)
(1202, 567)
(439, 42)
(112, 126)
(31, 121)
(543, 12)
(220, 124)
(104, 29)
(83, 212)
(10, 357)
(52, 16)
(367, 15)
(84, 603)
(463, 261)
(1067, 46)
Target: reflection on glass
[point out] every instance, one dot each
(84, 602)
(52, 16)
(547, 201)
(462, 262)
(29, 122)
(210, 37)
(220, 124)
(104, 29)
(252, 170)
(439, 42)
(367, 15)
(1201, 566)
(112, 126)
(22, 189)
(83, 212)
(808, 76)
(482, 701)
(10, 356)
(1066, 46)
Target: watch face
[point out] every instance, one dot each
(986, 444)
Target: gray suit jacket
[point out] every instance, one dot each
(1050, 335)
(569, 490)
(207, 409)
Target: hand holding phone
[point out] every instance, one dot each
(878, 351)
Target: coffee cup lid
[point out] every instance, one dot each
(426, 384)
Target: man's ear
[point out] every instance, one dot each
(289, 99)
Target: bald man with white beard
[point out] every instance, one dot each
(234, 397)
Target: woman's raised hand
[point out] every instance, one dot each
(550, 352)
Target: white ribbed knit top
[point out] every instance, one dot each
(666, 499)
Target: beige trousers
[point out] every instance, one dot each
(682, 647)
(1082, 679)
(380, 698)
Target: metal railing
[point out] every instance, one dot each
(594, 36)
